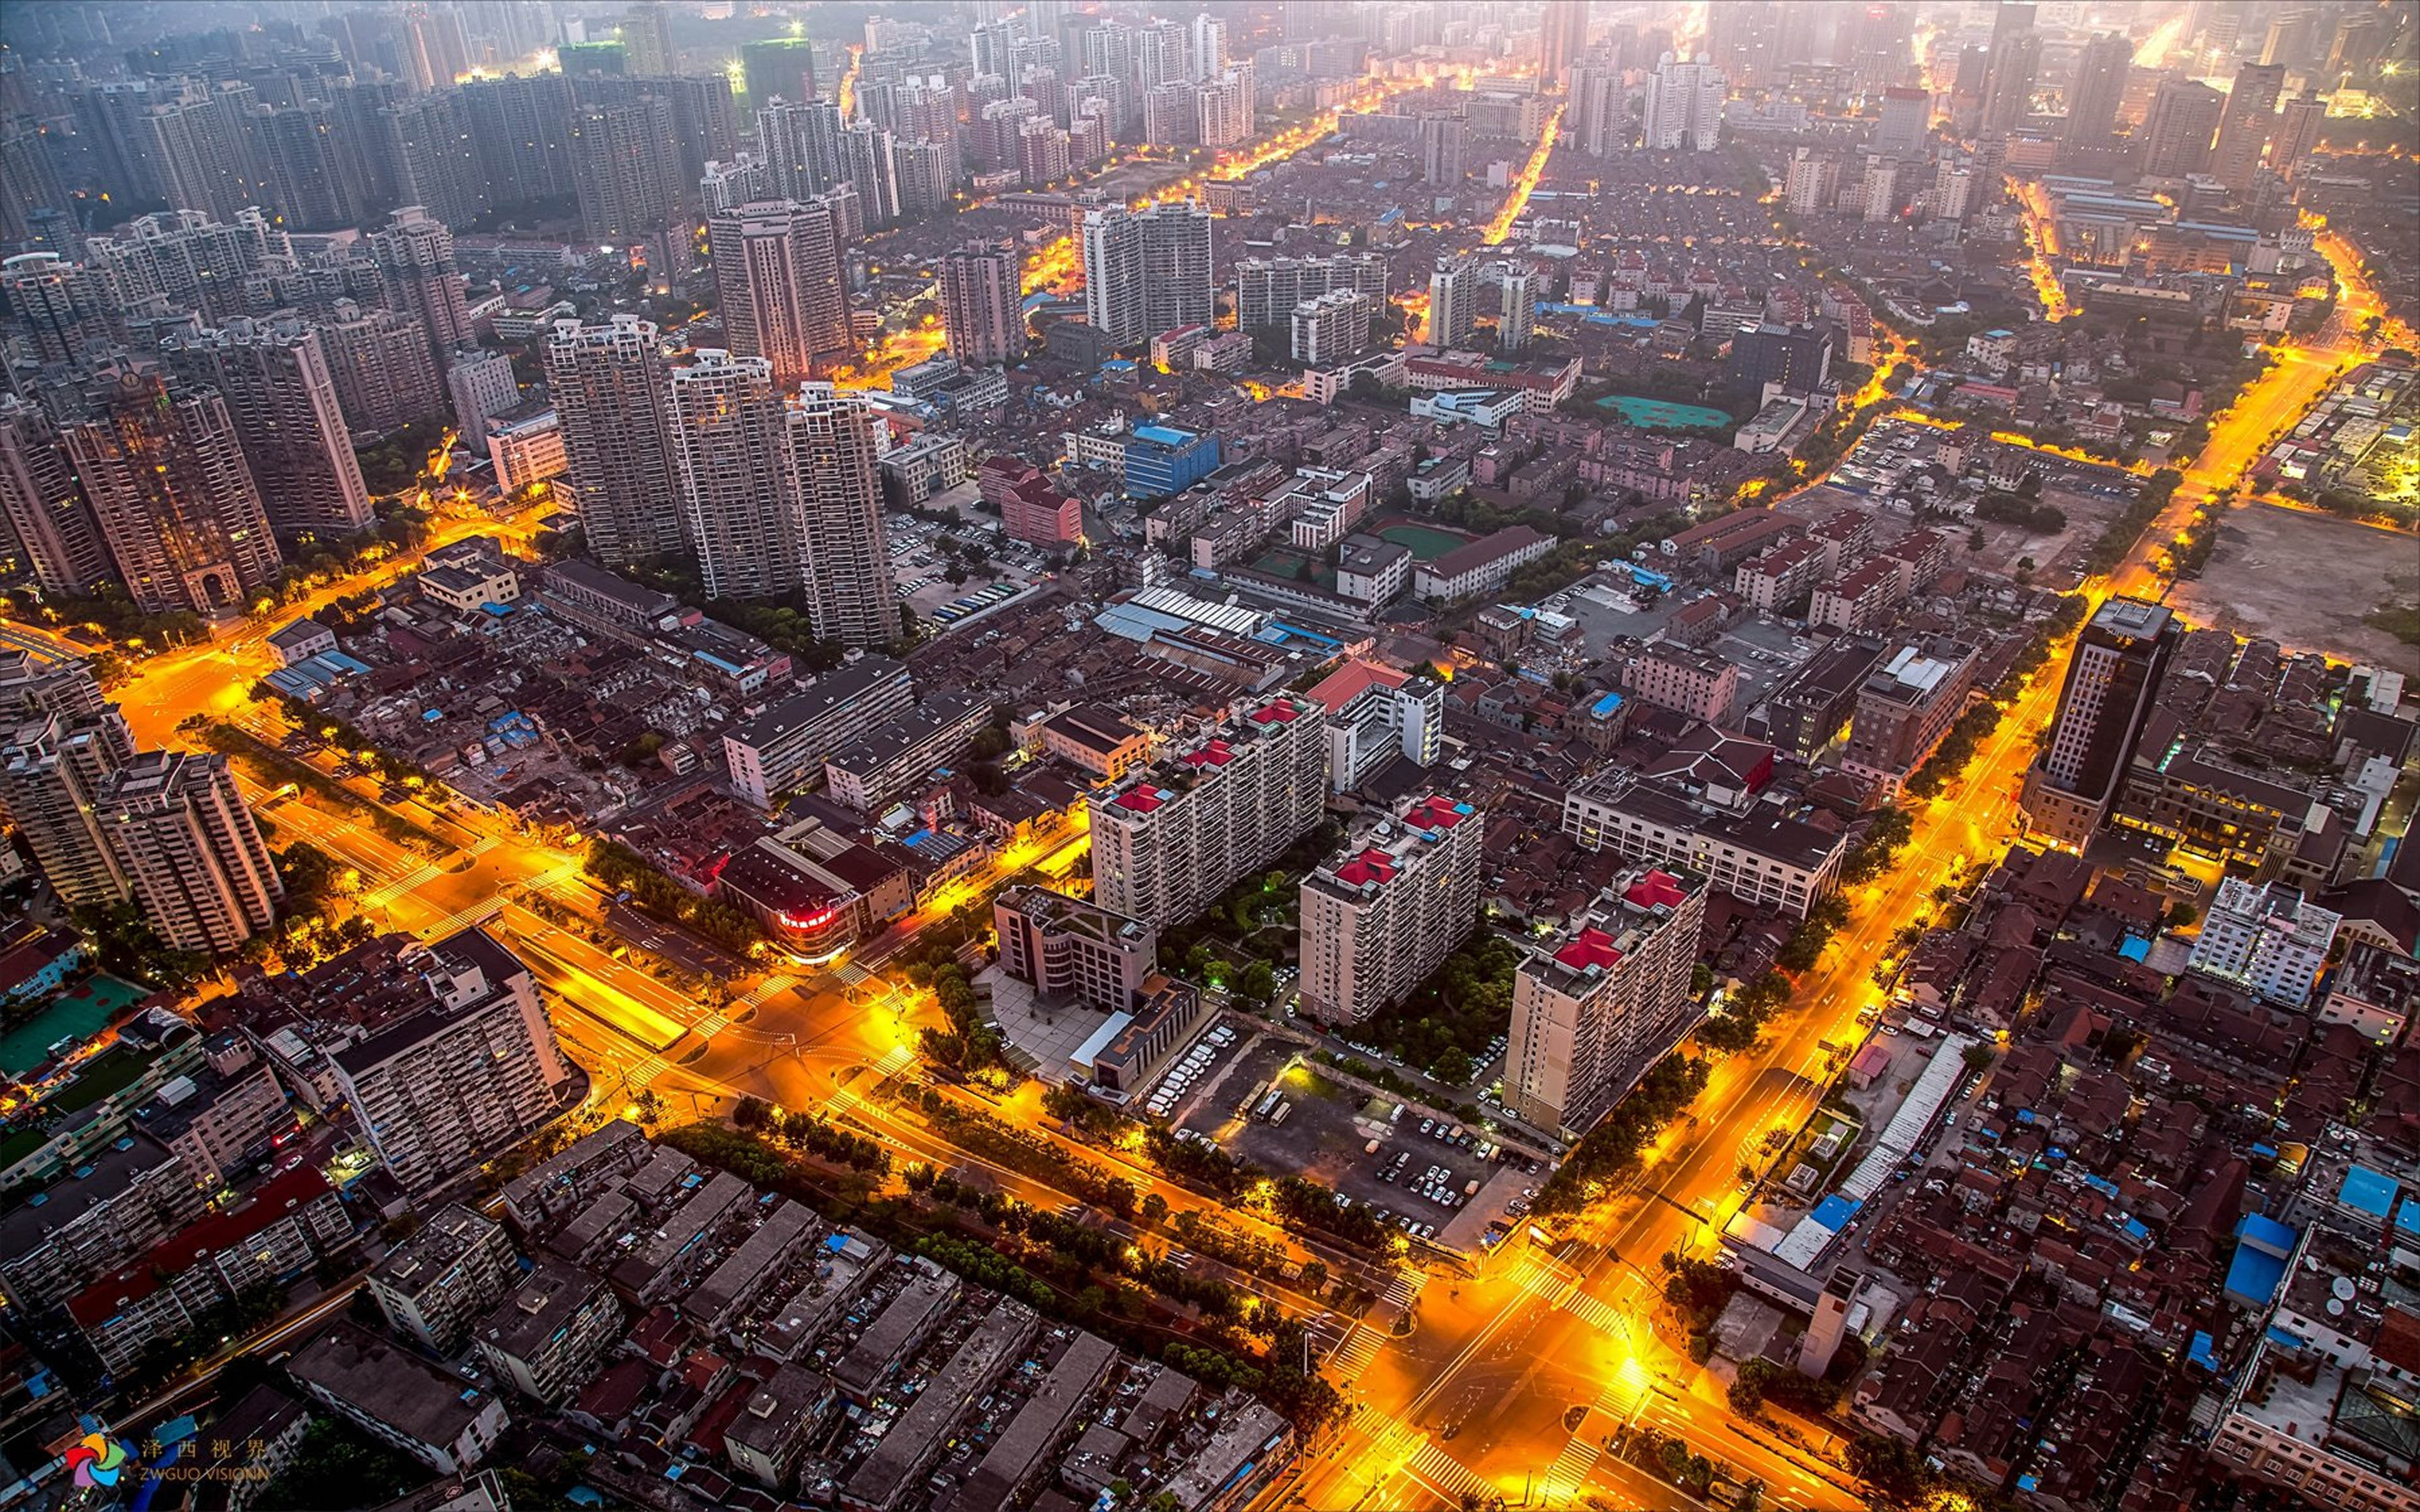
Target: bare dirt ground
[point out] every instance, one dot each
(2306, 580)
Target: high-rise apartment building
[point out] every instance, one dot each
(2177, 131)
(800, 142)
(466, 1077)
(414, 252)
(1685, 106)
(1592, 1015)
(165, 472)
(53, 763)
(1148, 271)
(2298, 132)
(64, 306)
(777, 267)
(2011, 65)
(1331, 327)
(834, 449)
(1455, 289)
(1224, 107)
(281, 395)
(2099, 89)
(1906, 121)
(481, 385)
(1516, 310)
(192, 858)
(1268, 288)
(624, 168)
(612, 391)
(743, 180)
(2243, 128)
(1562, 37)
(1170, 837)
(44, 504)
(381, 363)
(982, 317)
(2267, 938)
(1812, 185)
(2112, 679)
(778, 66)
(1387, 910)
(1595, 119)
(740, 501)
(1443, 138)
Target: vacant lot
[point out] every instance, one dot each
(2306, 580)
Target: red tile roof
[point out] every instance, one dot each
(1656, 890)
(1350, 681)
(1433, 813)
(1592, 947)
(1279, 712)
(1141, 800)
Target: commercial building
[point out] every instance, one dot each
(164, 470)
(2266, 938)
(2112, 677)
(400, 1399)
(1812, 707)
(1590, 1017)
(445, 1276)
(982, 317)
(1387, 910)
(893, 759)
(463, 1079)
(776, 751)
(612, 392)
(1169, 838)
(192, 857)
(777, 268)
(1756, 852)
(1064, 947)
(1906, 705)
(1161, 460)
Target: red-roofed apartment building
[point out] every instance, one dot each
(1588, 1019)
(1169, 839)
(1387, 908)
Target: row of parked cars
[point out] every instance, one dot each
(1194, 1064)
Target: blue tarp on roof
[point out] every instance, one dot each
(2368, 1191)
(2134, 1229)
(2407, 1217)
(2199, 1353)
(2252, 1275)
(1605, 705)
(1835, 1211)
(2102, 1185)
(2134, 949)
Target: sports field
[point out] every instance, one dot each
(1426, 543)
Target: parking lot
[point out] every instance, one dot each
(921, 569)
(1276, 1108)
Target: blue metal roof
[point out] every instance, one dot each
(1605, 705)
(2252, 1275)
(2368, 1191)
(1835, 1211)
(1164, 436)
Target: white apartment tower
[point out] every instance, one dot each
(465, 1078)
(1169, 838)
(1385, 912)
(2267, 938)
(777, 268)
(1590, 1017)
(1685, 106)
(1454, 302)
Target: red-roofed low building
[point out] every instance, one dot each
(1589, 1018)
(1388, 909)
(273, 1235)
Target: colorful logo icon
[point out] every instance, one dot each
(96, 1459)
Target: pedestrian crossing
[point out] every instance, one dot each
(1403, 1288)
(647, 1071)
(395, 886)
(712, 1025)
(1354, 1351)
(849, 973)
(462, 918)
(773, 986)
(1443, 1471)
(1621, 1399)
